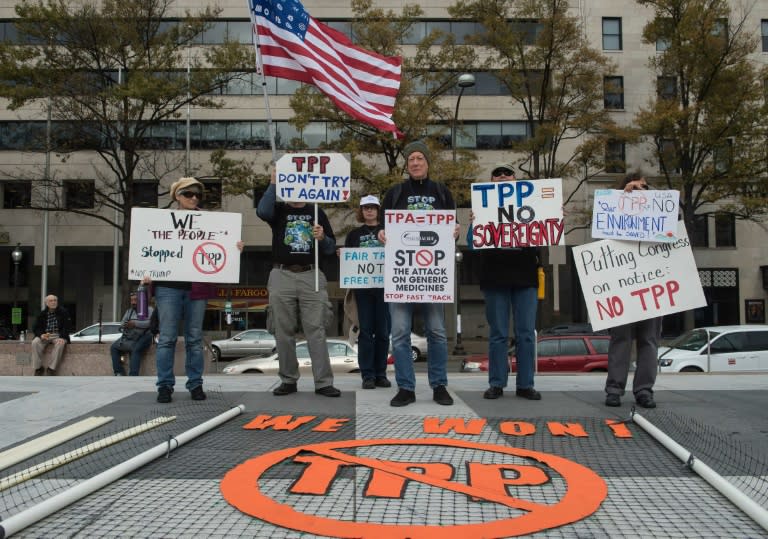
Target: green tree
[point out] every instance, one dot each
(432, 69)
(107, 73)
(540, 53)
(707, 124)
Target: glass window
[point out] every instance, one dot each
(668, 160)
(239, 135)
(488, 135)
(287, 87)
(548, 347)
(615, 157)
(612, 33)
(666, 87)
(461, 30)
(286, 133)
(337, 349)
(489, 84)
(514, 131)
(725, 230)
(573, 347)
(666, 28)
(214, 135)
(145, 193)
(529, 29)
(17, 194)
(764, 34)
(79, 194)
(415, 34)
(240, 85)
(700, 235)
(260, 135)
(215, 33)
(613, 92)
(722, 155)
(240, 31)
(729, 342)
(757, 340)
(313, 135)
(600, 345)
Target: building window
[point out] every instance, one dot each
(764, 34)
(700, 234)
(17, 194)
(615, 157)
(669, 162)
(666, 29)
(666, 87)
(725, 230)
(722, 156)
(79, 194)
(145, 193)
(613, 93)
(612, 33)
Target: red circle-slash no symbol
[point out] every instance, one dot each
(207, 251)
(424, 257)
(584, 493)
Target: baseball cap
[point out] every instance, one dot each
(370, 200)
(502, 166)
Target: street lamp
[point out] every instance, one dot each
(458, 350)
(466, 80)
(16, 256)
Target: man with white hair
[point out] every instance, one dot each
(51, 327)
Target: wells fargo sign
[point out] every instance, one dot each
(493, 474)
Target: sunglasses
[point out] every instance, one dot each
(502, 172)
(370, 207)
(190, 194)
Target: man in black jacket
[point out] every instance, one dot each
(51, 327)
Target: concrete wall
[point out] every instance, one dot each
(82, 359)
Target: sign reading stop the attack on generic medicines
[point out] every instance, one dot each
(181, 245)
(313, 177)
(523, 213)
(420, 253)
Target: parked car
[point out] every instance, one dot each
(556, 353)
(245, 343)
(110, 332)
(343, 359)
(419, 348)
(717, 349)
(572, 329)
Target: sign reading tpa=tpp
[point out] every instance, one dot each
(313, 177)
(181, 245)
(419, 256)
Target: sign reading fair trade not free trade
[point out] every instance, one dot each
(313, 177)
(629, 281)
(361, 267)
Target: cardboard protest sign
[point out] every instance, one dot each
(313, 177)
(180, 245)
(361, 267)
(420, 252)
(628, 281)
(523, 213)
(637, 215)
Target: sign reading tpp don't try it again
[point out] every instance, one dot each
(179, 245)
(312, 177)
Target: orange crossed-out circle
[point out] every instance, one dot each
(585, 491)
(201, 251)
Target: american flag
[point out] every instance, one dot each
(293, 45)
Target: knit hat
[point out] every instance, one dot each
(183, 183)
(497, 166)
(416, 146)
(370, 200)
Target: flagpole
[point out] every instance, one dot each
(260, 69)
(317, 255)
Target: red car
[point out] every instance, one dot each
(557, 353)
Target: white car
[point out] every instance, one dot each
(110, 332)
(717, 349)
(245, 343)
(343, 359)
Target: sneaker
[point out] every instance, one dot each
(39, 371)
(493, 392)
(284, 389)
(383, 382)
(369, 383)
(645, 400)
(440, 396)
(198, 394)
(528, 393)
(50, 372)
(403, 398)
(612, 399)
(328, 391)
(164, 394)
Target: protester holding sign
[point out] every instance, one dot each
(509, 278)
(645, 333)
(372, 312)
(419, 192)
(292, 291)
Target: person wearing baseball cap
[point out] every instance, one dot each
(419, 192)
(372, 312)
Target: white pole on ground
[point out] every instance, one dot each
(755, 511)
(38, 512)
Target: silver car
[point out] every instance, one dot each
(245, 343)
(343, 359)
(110, 332)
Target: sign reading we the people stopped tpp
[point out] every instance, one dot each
(420, 253)
(629, 281)
(181, 245)
(638, 215)
(313, 177)
(361, 267)
(523, 213)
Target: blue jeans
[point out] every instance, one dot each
(174, 304)
(437, 344)
(142, 343)
(373, 341)
(523, 302)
